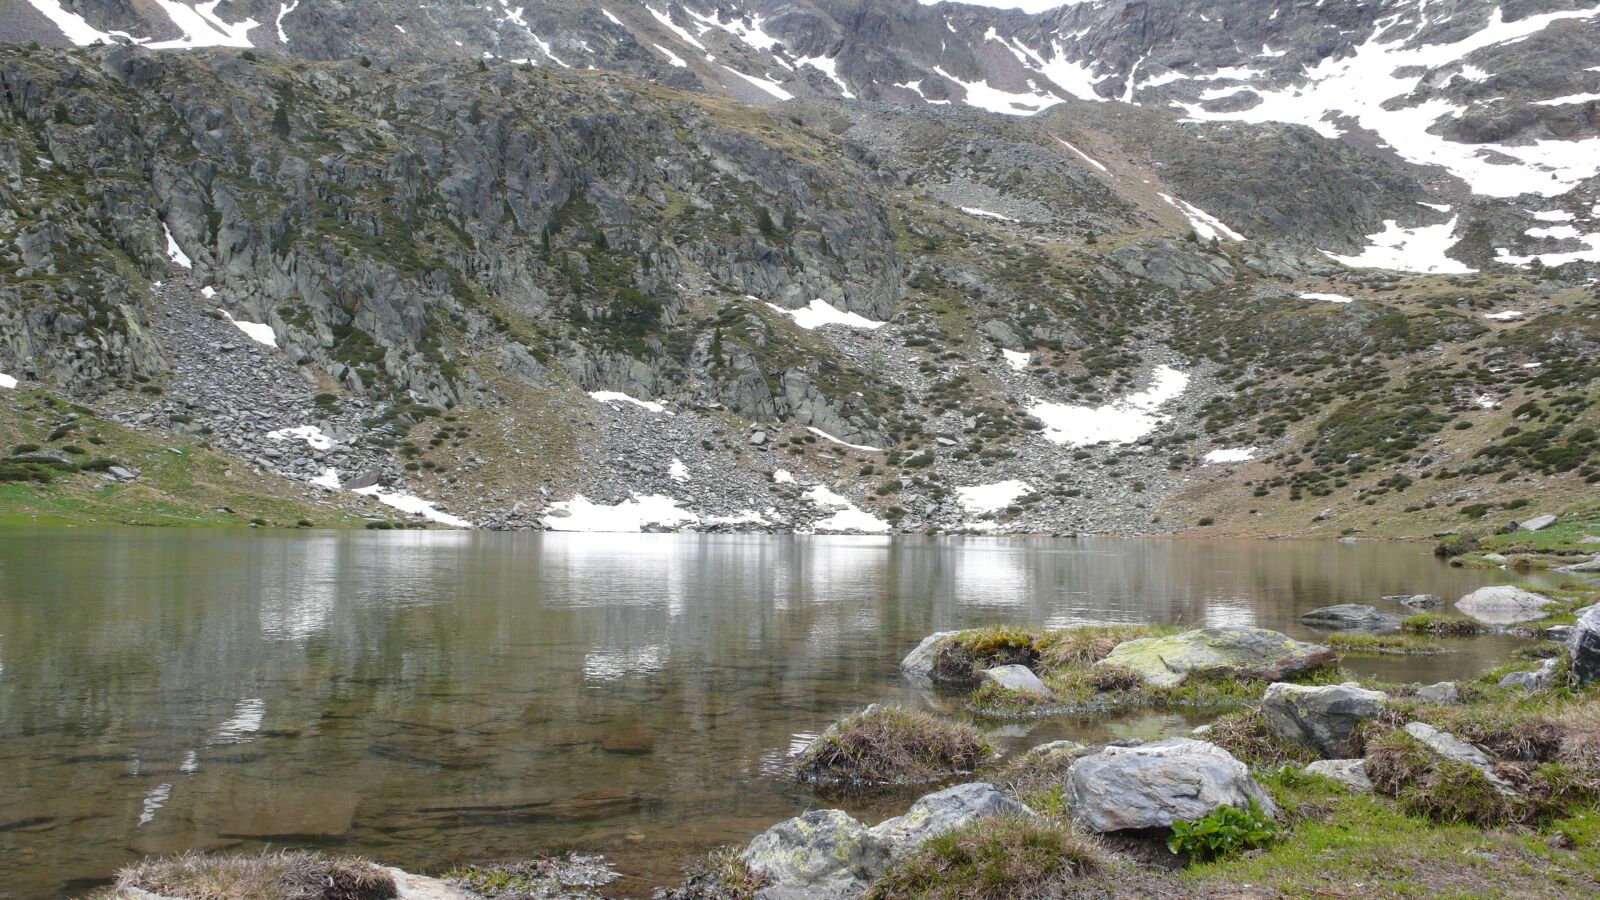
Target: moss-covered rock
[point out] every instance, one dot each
(1238, 650)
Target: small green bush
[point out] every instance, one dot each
(1227, 831)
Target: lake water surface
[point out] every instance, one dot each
(434, 697)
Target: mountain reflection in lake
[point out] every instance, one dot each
(429, 697)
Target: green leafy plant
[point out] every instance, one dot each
(1224, 832)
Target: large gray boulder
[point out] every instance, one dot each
(1584, 646)
(1537, 523)
(1444, 693)
(1018, 678)
(920, 660)
(1352, 773)
(1352, 616)
(1539, 679)
(1503, 604)
(1226, 649)
(1583, 568)
(1154, 785)
(943, 811)
(1323, 718)
(823, 853)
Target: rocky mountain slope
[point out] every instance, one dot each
(501, 290)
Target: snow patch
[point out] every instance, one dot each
(1231, 455)
(823, 434)
(819, 312)
(285, 9)
(974, 211)
(174, 252)
(9, 382)
(256, 331)
(675, 59)
(987, 498)
(783, 476)
(614, 397)
(1331, 298)
(1421, 249)
(1204, 224)
(73, 26)
(981, 95)
(1086, 157)
(846, 517)
(413, 505)
(1118, 422)
(328, 479)
(1504, 315)
(765, 84)
(202, 27)
(829, 68)
(580, 514)
(1016, 359)
(311, 434)
(678, 471)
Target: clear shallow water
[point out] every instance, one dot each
(433, 697)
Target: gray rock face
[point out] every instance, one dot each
(1451, 747)
(1503, 604)
(1323, 718)
(1539, 679)
(1537, 523)
(920, 660)
(1154, 785)
(1352, 773)
(1444, 693)
(1017, 678)
(1238, 649)
(1583, 568)
(1584, 646)
(1422, 601)
(943, 811)
(820, 853)
(1352, 616)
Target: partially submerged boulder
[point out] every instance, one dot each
(1503, 604)
(1417, 601)
(1352, 773)
(920, 660)
(1584, 646)
(1154, 785)
(1239, 650)
(1017, 678)
(1323, 718)
(1352, 616)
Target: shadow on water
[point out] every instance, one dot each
(429, 697)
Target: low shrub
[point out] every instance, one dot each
(891, 746)
(1226, 831)
(993, 859)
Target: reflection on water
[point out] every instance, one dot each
(425, 697)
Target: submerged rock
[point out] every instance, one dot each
(1154, 785)
(1228, 649)
(1352, 773)
(1323, 718)
(1584, 646)
(1503, 604)
(1018, 678)
(920, 660)
(1356, 616)
(1421, 601)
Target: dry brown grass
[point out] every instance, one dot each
(891, 746)
(993, 859)
(268, 875)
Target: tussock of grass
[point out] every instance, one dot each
(1088, 644)
(719, 875)
(1249, 737)
(1403, 644)
(536, 877)
(891, 746)
(990, 699)
(1436, 623)
(268, 875)
(968, 653)
(993, 859)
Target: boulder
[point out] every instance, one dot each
(920, 660)
(1017, 678)
(1154, 785)
(1451, 747)
(1583, 568)
(1353, 616)
(943, 811)
(1323, 718)
(1227, 649)
(1537, 523)
(1503, 604)
(1352, 773)
(1422, 601)
(1584, 646)
(1539, 679)
(1444, 693)
(820, 853)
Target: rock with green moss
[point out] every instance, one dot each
(1322, 717)
(821, 853)
(1238, 650)
(944, 811)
